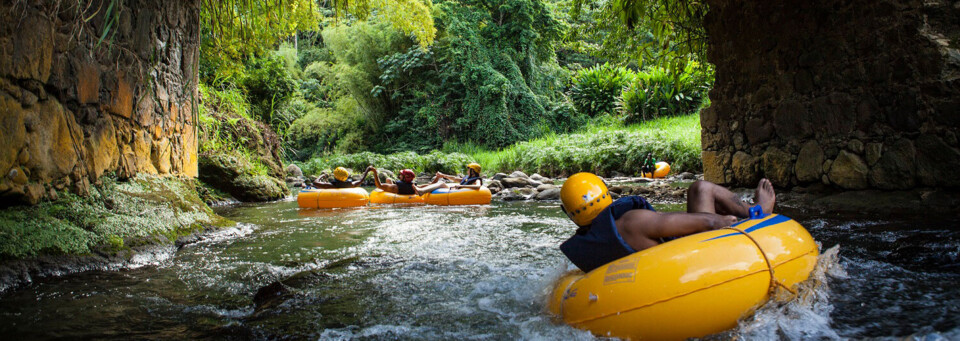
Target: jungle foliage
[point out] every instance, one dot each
(392, 76)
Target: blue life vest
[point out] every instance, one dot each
(469, 181)
(600, 243)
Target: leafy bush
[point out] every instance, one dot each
(268, 85)
(595, 90)
(658, 92)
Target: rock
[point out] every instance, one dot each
(896, 168)
(537, 177)
(508, 195)
(642, 180)
(745, 168)
(534, 183)
(855, 146)
(687, 176)
(513, 182)
(231, 175)
(791, 120)
(257, 188)
(160, 155)
(519, 174)
(937, 162)
(616, 189)
(293, 171)
(495, 184)
(544, 187)
(498, 176)
(849, 171)
(549, 194)
(777, 166)
(873, 152)
(526, 193)
(758, 131)
(809, 163)
(714, 163)
(294, 181)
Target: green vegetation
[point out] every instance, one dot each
(603, 147)
(113, 217)
(546, 86)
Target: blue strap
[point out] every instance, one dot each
(756, 212)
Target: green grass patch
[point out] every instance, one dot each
(603, 147)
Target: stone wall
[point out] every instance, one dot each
(73, 109)
(853, 94)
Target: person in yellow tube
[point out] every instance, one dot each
(472, 180)
(341, 177)
(405, 185)
(610, 230)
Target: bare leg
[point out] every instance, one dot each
(708, 197)
(431, 187)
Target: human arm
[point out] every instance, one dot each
(388, 187)
(449, 177)
(474, 186)
(319, 184)
(364, 177)
(642, 229)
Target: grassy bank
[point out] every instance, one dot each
(603, 147)
(114, 217)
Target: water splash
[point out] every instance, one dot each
(806, 316)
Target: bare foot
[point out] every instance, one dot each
(765, 196)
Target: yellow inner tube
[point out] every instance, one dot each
(464, 196)
(661, 170)
(380, 196)
(689, 287)
(332, 197)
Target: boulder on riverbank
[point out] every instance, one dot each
(236, 177)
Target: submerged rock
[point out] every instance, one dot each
(549, 194)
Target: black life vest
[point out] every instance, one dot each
(600, 243)
(341, 184)
(405, 188)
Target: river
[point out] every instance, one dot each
(474, 272)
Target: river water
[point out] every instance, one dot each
(428, 272)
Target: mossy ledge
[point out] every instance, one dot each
(116, 226)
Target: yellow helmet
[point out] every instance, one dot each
(475, 167)
(341, 174)
(583, 196)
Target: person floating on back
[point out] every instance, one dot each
(341, 178)
(649, 165)
(472, 180)
(406, 185)
(610, 230)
